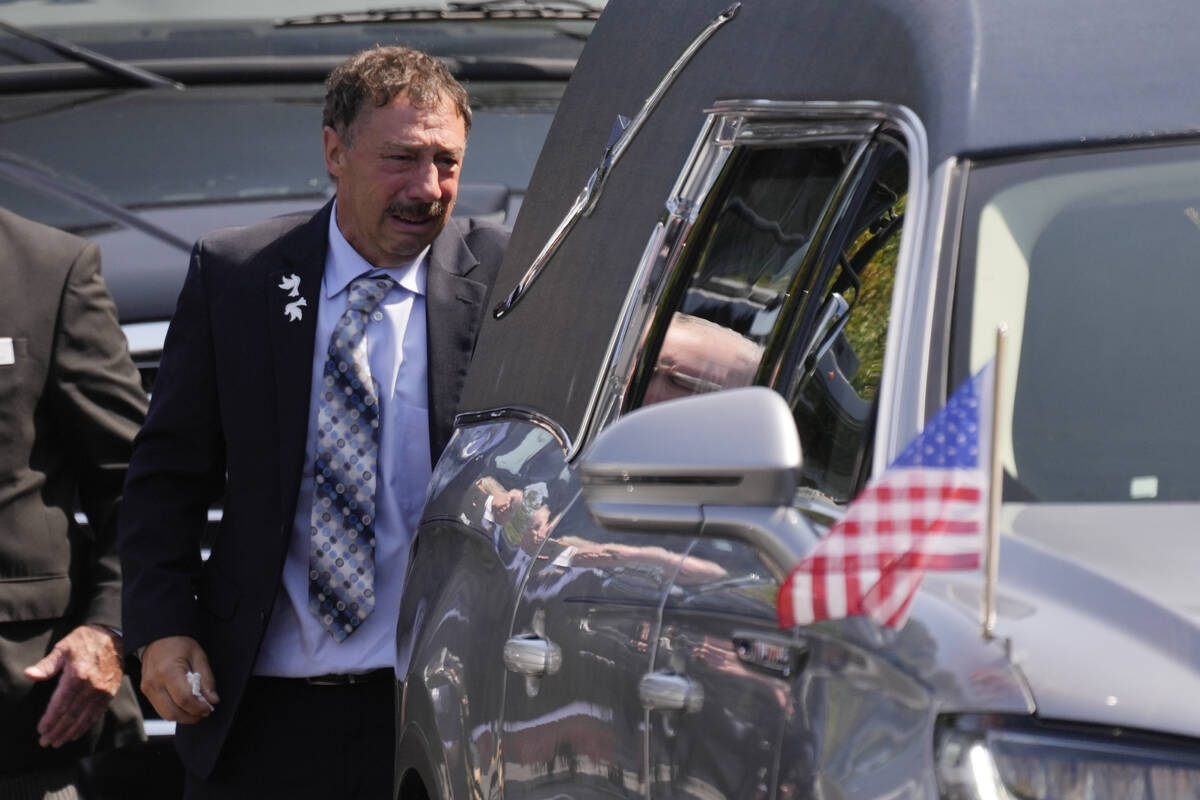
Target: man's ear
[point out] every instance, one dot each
(335, 151)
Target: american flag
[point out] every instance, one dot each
(928, 510)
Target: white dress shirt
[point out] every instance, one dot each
(296, 645)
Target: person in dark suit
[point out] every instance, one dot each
(70, 404)
(310, 375)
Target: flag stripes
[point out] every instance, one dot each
(926, 511)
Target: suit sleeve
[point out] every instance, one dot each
(97, 394)
(176, 473)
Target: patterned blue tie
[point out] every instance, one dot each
(341, 555)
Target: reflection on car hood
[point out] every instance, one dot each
(144, 275)
(1099, 605)
(185, 163)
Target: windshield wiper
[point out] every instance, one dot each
(544, 6)
(88, 56)
(465, 10)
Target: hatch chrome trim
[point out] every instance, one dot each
(623, 134)
(518, 414)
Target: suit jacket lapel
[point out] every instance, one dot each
(293, 323)
(453, 303)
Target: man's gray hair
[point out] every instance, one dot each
(378, 75)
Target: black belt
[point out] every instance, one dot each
(343, 679)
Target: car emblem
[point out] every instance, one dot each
(291, 285)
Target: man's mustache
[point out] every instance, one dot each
(417, 210)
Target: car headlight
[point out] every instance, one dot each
(1000, 758)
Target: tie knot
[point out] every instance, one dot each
(367, 291)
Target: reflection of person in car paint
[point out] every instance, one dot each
(501, 504)
(581, 553)
(503, 512)
(687, 569)
(700, 356)
(537, 530)
(489, 505)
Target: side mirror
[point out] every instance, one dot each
(723, 464)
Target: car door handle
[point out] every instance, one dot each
(532, 656)
(661, 691)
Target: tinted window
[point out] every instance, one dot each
(787, 281)
(747, 250)
(833, 376)
(1090, 261)
(228, 144)
(132, 30)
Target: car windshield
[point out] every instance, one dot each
(254, 71)
(134, 29)
(1091, 262)
(223, 144)
(145, 169)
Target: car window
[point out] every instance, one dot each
(135, 30)
(1090, 262)
(786, 280)
(833, 375)
(747, 251)
(226, 144)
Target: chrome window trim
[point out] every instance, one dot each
(932, 242)
(659, 258)
(589, 196)
(908, 293)
(731, 123)
(519, 414)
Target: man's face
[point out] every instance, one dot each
(504, 505)
(397, 178)
(539, 527)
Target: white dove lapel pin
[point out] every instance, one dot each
(293, 310)
(291, 285)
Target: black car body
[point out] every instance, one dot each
(144, 127)
(838, 201)
(221, 126)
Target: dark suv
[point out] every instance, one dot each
(143, 126)
(719, 319)
(145, 132)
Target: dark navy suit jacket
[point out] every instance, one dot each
(228, 417)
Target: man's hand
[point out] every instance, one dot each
(165, 665)
(89, 670)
